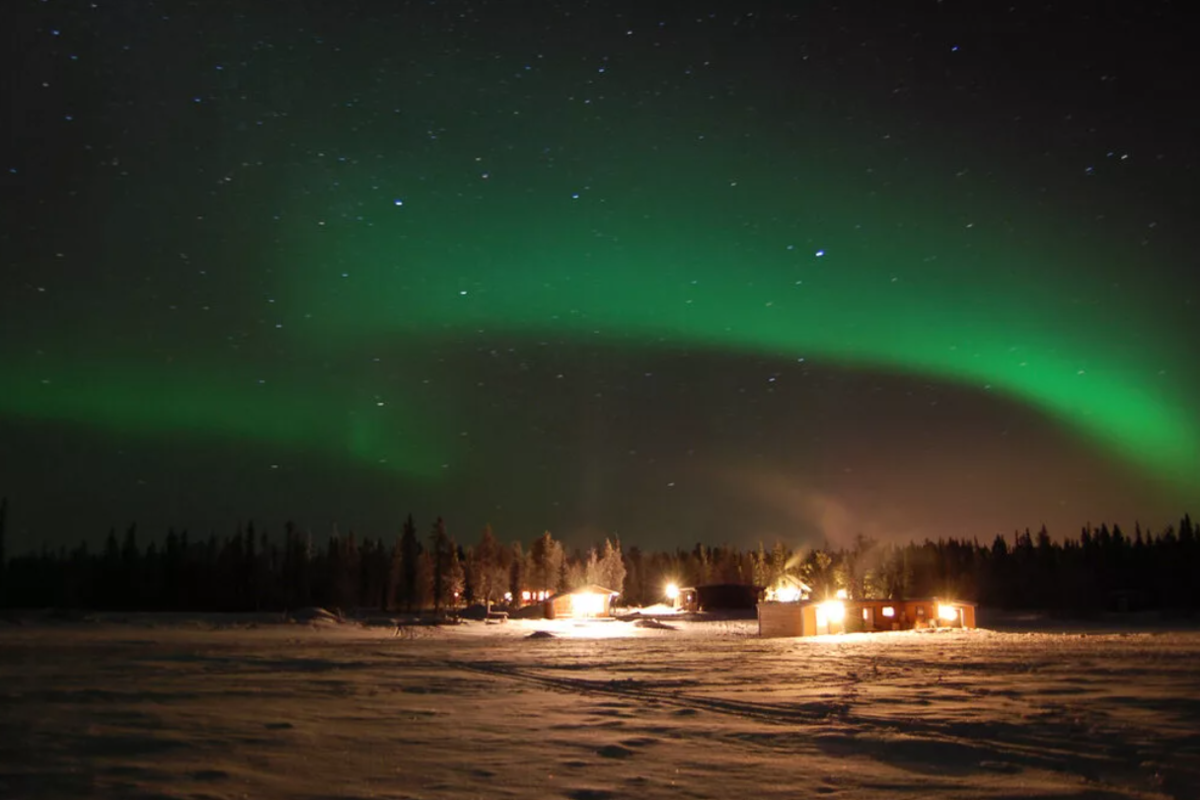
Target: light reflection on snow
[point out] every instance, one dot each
(246, 706)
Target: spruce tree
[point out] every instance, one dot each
(391, 588)
(3, 555)
(489, 583)
(410, 552)
(546, 561)
(455, 584)
(130, 571)
(612, 567)
(440, 552)
(516, 574)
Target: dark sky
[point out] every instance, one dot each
(682, 272)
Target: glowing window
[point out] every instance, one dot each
(920, 611)
(888, 611)
(866, 613)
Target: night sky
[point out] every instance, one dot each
(682, 272)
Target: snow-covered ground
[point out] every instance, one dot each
(159, 706)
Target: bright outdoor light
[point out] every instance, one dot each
(841, 594)
(587, 604)
(787, 594)
(831, 612)
(947, 613)
(672, 591)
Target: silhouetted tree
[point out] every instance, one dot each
(3, 552)
(456, 583)
(516, 573)
(545, 562)
(490, 579)
(1101, 568)
(410, 552)
(440, 552)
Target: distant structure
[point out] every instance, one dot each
(811, 618)
(585, 602)
(718, 597)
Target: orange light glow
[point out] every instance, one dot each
(786, 594)
(587, 604)
(831, 612)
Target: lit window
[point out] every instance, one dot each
(888, 611)
(525, 596)
(920, 611)
(866, 613)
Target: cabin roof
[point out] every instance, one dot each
(591, 588)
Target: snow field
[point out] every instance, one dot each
(160, 706)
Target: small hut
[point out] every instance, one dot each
(586, 601)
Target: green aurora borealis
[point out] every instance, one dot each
(280, 258)
(688, 274)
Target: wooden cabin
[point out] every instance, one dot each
(809, 618)
(902, 615)
(582, 603)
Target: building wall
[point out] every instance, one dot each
(793, 619)
(968, 616)
(563, 606)
(800, 619)
(784, 619)
(907, 614)
(558, 607)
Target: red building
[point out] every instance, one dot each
(810, 618)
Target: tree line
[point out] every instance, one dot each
(1101, 569)
(253, 571)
